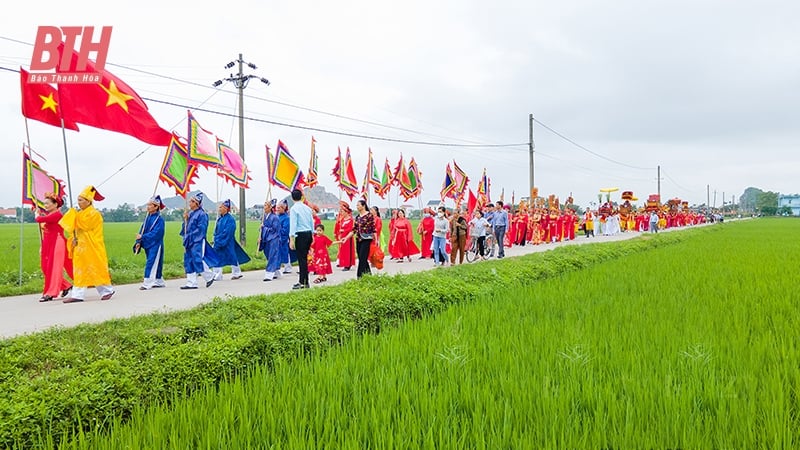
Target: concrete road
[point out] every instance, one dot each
(24, 314)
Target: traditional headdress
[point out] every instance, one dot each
(227, 204)
(157, 201)
(91, 194)
(273, 203)
(52, 196)
(345, 205)
(198, 197)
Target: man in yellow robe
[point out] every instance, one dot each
(84, 228)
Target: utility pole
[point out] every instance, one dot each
(659, 182)
(708, 198)
(240, 80)
(531, 146)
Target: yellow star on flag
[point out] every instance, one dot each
(116, 96)
(48, 103)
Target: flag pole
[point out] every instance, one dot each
(66, 160)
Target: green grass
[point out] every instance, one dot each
(83, 377)
(125, 267)
(693, 345)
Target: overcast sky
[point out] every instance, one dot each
(708, 90)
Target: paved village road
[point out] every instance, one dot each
(24, 314)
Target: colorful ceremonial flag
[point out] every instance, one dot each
(233, 167)
(483, 190)
(311, 178)
(402, 180)
(40, 102)
(386, 180)
(461, 179)
(36, 182)
(337, 171)
(270, 166)
(110, 105)
(347, 176)
(371, 176)
(202, 145)
(415, 178)
(448, 185)
(286, 172)
(176, 170)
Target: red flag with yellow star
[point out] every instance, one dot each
(40, 102)
(111, 105)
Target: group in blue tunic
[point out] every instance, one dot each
(269, 241)
(228, 251)
(151, 239)
(198, 256)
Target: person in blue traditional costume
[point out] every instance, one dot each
(198, 256)
(151, 239)
(269, 241)
(283, 247)
(229, 252)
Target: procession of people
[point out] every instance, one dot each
(73, 254)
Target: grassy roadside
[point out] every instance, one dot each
(694, 348)
(85, 376)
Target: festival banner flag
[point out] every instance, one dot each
(36, 182)
(233, 167)
(402, 180)
(110, 105)
(270, 166)
(202, 145)
(176, 170)
(448, 185)
(386, 180)
(371, 177)
(483, 190)
(374, 177)
(461, 179)
(40, 102)
(415, 178)
(311, 178)
(337, 171)
(348, 181)
(286, 172)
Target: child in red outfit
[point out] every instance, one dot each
(321, 260)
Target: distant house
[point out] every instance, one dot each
(792, 201)
(8, 213)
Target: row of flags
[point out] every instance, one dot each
(113, 105)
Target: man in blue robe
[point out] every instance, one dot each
(229, 252)
(269, 241)
(196, 249)
(151, 239)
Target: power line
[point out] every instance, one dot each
(586, 149)
(339, 133)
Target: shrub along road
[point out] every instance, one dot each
(24, 314)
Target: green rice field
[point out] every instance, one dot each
(692, 345)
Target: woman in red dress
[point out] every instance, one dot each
(403, 238)
(425, 230)
(321, 260)
(54, 258)
(343, 227)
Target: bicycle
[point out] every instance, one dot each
(472, 251)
